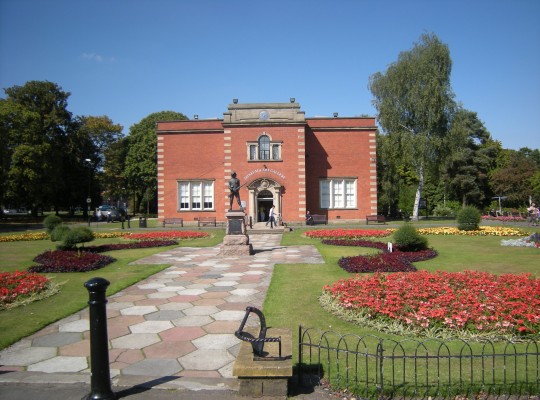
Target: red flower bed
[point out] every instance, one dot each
(167, 235)
(126, 246)
(14, 285)
(69, 261)
(347, 233)
(360, 243)
(469, 300)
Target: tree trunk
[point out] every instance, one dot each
(418, 192)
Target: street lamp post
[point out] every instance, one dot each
(88, 162)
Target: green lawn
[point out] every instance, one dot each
(22, 321)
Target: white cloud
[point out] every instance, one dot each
(97, 57)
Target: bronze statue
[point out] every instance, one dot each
(234, 187)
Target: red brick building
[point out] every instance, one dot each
(324, 165)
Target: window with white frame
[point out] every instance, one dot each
(264, 149)
(338, 193)
(195, 195)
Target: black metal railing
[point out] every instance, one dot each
(372, 367)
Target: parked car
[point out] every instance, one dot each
(109, 213)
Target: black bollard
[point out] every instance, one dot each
(100, 383)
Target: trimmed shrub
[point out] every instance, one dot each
(80, 234)
(51, 221)
(58, 233)
(468, 218)
(407, 238)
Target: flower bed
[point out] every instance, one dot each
(86, 259)
(530, 241)
(126, 246)
(20, 285)
(167, 235)
(397, 261)
(24, 237)
(508, 218)
(69, 261)
(482, 231)
(347, 233)
(359, 243)
(111, 235)
(434, 303)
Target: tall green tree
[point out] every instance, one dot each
(39, 126)
(415, 103)
(15, 122)
(102, 132)
(472, 157)
(97, 134)
(514, 178)
(141, 159)
(113, 179)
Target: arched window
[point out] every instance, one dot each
(264, 148)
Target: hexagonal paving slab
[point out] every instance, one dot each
(138, 310)
(204, 359)
(75, 326)
(135, 341)
(153, 367)
(60, 364)
(24, 357)
(216, 341)
(151, 327)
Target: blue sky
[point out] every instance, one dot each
(129, 58)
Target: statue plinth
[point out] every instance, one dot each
(236, 240)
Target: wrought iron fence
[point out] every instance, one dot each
(372, 367)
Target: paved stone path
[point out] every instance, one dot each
(178, 322)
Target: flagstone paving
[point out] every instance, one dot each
(178, 322)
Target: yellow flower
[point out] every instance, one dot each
(482, 231)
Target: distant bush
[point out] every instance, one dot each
(443, 211)
(51, 221)
(407, 238)
(468, 218)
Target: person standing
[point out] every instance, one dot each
(271, 217)
(261, 214)
(533, 215)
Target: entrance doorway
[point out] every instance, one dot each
(265, 200)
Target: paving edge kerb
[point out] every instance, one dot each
(123, 381)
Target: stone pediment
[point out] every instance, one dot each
(264, 113)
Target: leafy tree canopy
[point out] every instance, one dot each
(515, 179)
(37, 125)
(415, 103)
(473, 155)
